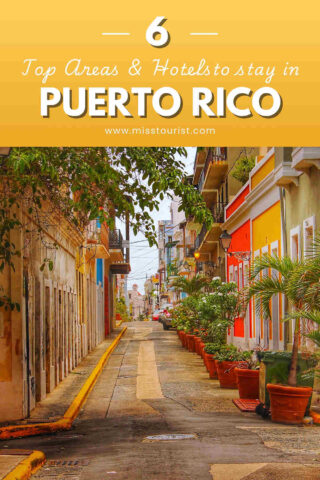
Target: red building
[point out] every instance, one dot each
(239, 226)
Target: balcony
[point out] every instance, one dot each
(199, 163)
(119, 256)
(304, 158)
(97, 240)
(208, 239)
(200, 238)
(213, 172)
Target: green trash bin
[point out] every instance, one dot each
(274, 368)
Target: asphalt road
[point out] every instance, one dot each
(152, 393)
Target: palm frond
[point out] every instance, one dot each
(263, 290)
(283, 265)
(314, 336)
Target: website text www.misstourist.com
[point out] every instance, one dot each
(160, 131)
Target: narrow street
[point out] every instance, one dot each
(151, 387)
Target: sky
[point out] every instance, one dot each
(143, 259)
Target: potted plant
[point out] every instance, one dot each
(226, 360)
(299, 282)
(210, 351)
(248, 379)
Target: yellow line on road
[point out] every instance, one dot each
(65, 423)
(148, 384)
(234, 471)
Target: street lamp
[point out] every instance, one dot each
(196, 255)
(5, 151)
(225, 242)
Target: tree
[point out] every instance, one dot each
(298, 281)
(190, 287)
(93, 183)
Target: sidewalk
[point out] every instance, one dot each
(19, 464)
(57, 402)
(9, 459)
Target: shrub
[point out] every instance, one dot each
(230, 353)
(243, 168)
(212, 348)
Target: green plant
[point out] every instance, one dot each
(230, 353)
(218, 310)
(121, 309)
(299, 282)
(84, 184)
(212, 348)
(191, 287)
(243, 167)
(185, 315)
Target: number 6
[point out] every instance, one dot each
(156, 28)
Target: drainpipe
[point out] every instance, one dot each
(127, 238)
(284, 253)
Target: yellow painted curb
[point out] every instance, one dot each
(64, 423)
(27, 467)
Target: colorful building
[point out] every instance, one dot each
(63, 282)
(214, 180)
(254, 220)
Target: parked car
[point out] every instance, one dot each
(155, 315)
(165, 317)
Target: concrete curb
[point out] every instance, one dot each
(64, 423)
(27, 467)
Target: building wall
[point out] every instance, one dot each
(43, 339)
(60, 318)
(266, 238)
(237, 271)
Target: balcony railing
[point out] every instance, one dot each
(119, 261)
(218, 212)
(190, 252)
(201, 236)
(213, 156)
(115, 240)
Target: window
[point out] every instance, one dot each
(240, 276)
(236, 279)
(295, 243)
(308, 235)
(231, 273)
(245, 273)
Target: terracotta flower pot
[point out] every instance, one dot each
(248, 382)
(183, 338)
(202, 345)
(226, 373)
(197, 341)
(206, 359)
(211, 366)
(190, 343)
(288, 404)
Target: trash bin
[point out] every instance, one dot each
(274, 368)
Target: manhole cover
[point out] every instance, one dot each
(169, 436)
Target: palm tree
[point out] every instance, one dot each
(298, 281)
(190, 287)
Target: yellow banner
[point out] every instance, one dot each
(171, 73)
